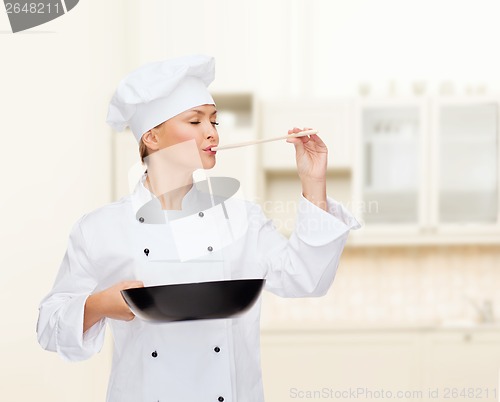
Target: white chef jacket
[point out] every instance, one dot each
(190, 361)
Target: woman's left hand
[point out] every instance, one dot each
(311, 155)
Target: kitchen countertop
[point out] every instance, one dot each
(382, 327)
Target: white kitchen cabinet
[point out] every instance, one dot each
(405, 364)
(391, 163)
(296, 365)
(281, 190)
(465, 149)
(333, 120)
(427, 171)
(462, 365)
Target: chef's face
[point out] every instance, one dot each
(198, 124)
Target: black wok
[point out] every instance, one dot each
(193, 301)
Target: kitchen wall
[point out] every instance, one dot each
(325, 48)
(397, 287)
(56, 81)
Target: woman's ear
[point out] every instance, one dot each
(151, 140)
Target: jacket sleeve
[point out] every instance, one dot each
(60, 319)
(305, 265)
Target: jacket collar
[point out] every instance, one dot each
(146, 204)
(202, 195)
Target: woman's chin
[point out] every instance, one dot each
(207, 165)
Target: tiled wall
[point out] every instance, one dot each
(398, 286)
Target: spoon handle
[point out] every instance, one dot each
(254, 142)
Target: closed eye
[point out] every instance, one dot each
(199, 122)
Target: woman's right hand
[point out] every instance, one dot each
(109, 303)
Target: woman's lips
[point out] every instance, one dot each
(209, 150)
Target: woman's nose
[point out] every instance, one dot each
(211, 133)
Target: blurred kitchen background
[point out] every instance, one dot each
(405, 93)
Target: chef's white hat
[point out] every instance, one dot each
(160, 90)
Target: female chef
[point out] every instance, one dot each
(169, 231)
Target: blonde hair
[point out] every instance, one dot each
(143, 151)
